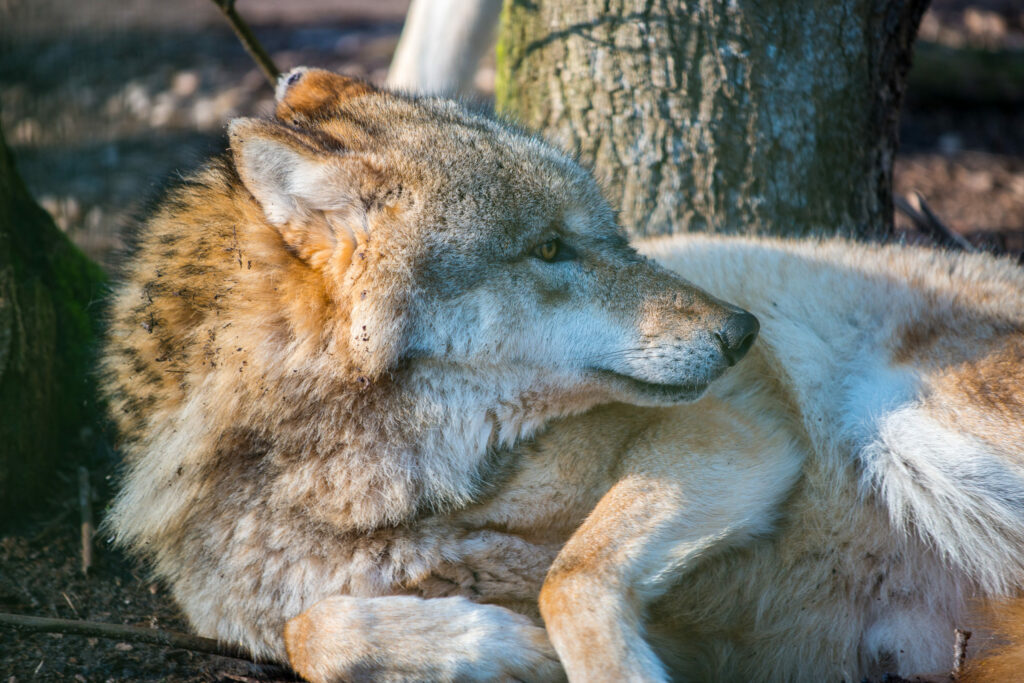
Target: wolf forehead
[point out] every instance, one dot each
(442, 154)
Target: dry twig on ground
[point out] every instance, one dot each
(927, 222)
(96, 629)
(85, 507)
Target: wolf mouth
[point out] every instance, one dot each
(670, 392)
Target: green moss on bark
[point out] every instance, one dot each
(49, 311)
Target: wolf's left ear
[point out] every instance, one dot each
(312, 197)
(288, 175)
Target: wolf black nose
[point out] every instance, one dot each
(737, 336)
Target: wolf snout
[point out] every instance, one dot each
(737, 335)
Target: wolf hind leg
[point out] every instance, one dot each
(961, 493)
(405, 638)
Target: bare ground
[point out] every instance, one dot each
(102, 102)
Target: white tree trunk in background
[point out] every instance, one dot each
(441, 45)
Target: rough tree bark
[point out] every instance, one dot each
(770, 116)
(48, 310)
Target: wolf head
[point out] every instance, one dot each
(454, 240)
(353, 312)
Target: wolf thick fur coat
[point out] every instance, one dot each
(389, 378)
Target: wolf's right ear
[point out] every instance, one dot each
(303, 93)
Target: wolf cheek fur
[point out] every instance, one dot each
(330, 338)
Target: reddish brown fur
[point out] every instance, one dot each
(318, 90)
(1003, 659)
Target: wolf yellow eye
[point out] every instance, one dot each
(553, 250)
(548, 251)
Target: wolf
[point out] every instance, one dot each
(398, 401)
(332, 338)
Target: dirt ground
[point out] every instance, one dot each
(103, 101)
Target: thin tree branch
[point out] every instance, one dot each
(959, 653)
(249, 41)
(942, 227)
(184, 641)
(928, 223)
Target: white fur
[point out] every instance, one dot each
(879, 438)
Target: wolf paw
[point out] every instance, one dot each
(405, 638)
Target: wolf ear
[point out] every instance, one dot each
(304, 92)
(312, 197)
(287, 175)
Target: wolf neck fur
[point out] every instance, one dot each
(439, 425)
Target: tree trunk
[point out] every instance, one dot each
(746, 117)
(48, 310)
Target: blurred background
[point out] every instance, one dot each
(102, 102)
